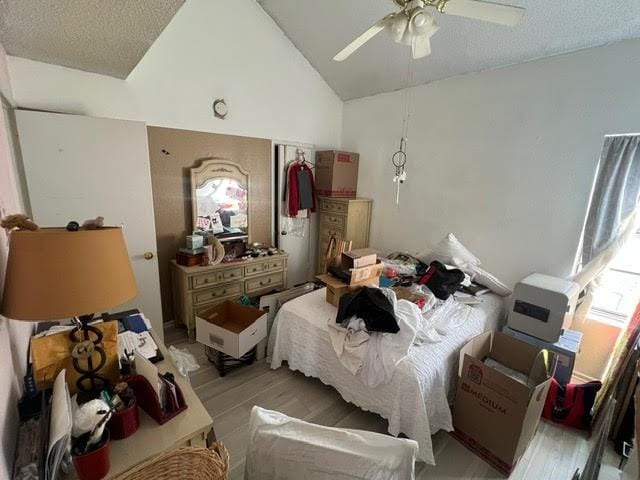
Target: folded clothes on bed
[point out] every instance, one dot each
(372, 306)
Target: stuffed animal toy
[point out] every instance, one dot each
(94, 223)
(18, 221)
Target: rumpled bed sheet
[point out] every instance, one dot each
(416, 400)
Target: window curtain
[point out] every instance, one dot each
(613, 211)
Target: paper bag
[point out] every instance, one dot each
(52, 353)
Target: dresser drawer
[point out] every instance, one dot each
(326, 235)
(273, 265)
(266, 281)
(213, 278)
(333, 206)
(254, 269)
(230, 275)
(332, 221)
(204, 296)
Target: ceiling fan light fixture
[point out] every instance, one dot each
(419, 19)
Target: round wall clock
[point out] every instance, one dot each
(220, 108)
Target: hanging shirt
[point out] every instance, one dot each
(294, 189)
(305, 189)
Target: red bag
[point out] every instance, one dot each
(571, 405)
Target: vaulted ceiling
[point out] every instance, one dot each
(101, 36)
(320, 28)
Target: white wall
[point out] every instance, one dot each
(505, 159)
(270, 88)
(14, 336)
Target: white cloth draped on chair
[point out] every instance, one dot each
(285, 448)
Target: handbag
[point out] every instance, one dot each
(52, 353)
(571, 405)
(441, 281)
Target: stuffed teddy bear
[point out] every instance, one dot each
(94, 223)
(18, 221)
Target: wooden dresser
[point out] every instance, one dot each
(197, 288)
(346, 219)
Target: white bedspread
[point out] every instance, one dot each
(415, 401)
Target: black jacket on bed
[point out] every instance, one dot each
(372, 306)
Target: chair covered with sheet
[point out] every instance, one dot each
(284, 448)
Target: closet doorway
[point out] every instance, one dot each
(300, 237)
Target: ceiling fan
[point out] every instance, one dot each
(414, 25)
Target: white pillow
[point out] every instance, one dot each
(484, 278)
(450, 250)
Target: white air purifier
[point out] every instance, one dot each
(543, 306)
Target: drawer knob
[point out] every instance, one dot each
(206, 280)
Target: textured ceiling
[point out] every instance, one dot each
(319, 29)
(102, 36)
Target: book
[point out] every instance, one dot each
(475, 289)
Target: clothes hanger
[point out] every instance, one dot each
(300, 153)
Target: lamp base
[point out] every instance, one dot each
(88, 357)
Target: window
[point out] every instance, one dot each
(618, 292)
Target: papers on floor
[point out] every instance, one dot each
(59, 427)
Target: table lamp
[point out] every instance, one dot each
(55, 274)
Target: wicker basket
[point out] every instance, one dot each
(188, 463)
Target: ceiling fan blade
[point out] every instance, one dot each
(364, 38)
(489, 12)
(421, 47)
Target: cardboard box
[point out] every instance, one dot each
(336, 174)
(565, 351)
(494, 415)
(362, 257)
(231, 328)
(364, 273)
(337, 288)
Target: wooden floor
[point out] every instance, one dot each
(555, 452)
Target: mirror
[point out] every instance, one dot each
(220, 198)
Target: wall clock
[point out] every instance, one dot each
(220, 108)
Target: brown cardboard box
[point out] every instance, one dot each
(336, 174)
(495, 415)
(231, 328)
(362, 274)
(337, 288)
(362, 257)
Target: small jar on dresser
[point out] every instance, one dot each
(196, 289)
(345, 219)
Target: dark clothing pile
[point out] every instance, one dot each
(372, 306)
(442, 281)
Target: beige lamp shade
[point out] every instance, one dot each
(54, 274)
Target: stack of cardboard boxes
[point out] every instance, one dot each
(358, 268)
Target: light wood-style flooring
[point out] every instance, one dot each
(554, 454)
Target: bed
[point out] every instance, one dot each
(416, 400)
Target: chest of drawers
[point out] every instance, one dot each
(196, 289)
(345, 219)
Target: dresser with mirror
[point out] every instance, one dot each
(221, 196)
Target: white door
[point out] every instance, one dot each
(79, 168)
(301, 249)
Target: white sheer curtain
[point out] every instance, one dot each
(613, 212)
